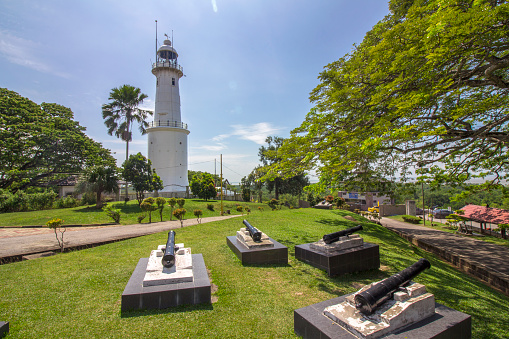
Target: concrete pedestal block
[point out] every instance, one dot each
(446, 323)
(4, 328)
(356, 259)
(278, 254)
(137, 297)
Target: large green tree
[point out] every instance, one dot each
(202, 185)
(122, 111)
(270, 158)
(138, 171)
(39, 143)
(427, 88)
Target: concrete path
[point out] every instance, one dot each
(487, 262)
(18, 242)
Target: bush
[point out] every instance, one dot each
(198, 214)
(179, 214)
(329, 199)
(411, 219)
(67, 202)
(273, 203)
(181, 202)
(56, 224)
(210, 207)
(141, 217)
(88, 198)
(112, 213)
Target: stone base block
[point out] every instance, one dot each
(278, 254)
(362, 258)
(137, 297)
(4, 328)
(446, 323)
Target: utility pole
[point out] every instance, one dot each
(221, 184)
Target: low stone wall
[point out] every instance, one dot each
(386, 210)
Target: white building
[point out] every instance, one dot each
(167, 134)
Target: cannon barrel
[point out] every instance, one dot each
(253, 232)
(367, 301)
(333, 237)
(169, 252)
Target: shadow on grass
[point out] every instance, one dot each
(177, 309)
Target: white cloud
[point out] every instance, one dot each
(215, 148)
(256, 133)
(23, 52)
(214, 6)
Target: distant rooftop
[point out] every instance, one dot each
(486, 214)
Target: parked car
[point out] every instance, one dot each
(441, 214)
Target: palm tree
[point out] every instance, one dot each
(122, 111)
(98, 179)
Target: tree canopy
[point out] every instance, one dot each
(138, 171)
(427, 88)
(98, 179)
(202, 185)
(39, 143)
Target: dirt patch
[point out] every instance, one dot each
(349, 217)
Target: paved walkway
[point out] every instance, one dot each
(487, 262)
(24, 241)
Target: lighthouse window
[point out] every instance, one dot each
(173, 81)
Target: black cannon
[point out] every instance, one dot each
(253, 232)
(333, 237)
(169, 252)
(369, 300)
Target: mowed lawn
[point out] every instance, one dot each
(77, 294)
(128, 213)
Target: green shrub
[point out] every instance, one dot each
(112, 213)
(67, 202)
(273, 203)
(411, 219)
(172, 202)
(88, 198)
(181, 202)
(160, 201)
(210, 207)
(141, 217)
(198, 214)
(179, 214)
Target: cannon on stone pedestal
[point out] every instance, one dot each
(333, 237)
(369, 300)
(168, 259)
(253, 232)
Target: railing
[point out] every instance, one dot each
(171, 64)
(167, 123)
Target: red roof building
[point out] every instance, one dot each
(483, 214)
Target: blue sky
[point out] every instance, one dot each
(249, 65)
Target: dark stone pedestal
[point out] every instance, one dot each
(309, 322)
(137, 297)
(265, 255)
(362, 258)
(4, 328)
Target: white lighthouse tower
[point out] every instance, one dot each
(167, 134)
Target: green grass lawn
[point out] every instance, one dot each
(129, 213)
(77, 294)
(445, 228)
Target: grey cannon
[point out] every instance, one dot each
(253, 232)
(168, 259)
(369, 300)
(333, 237)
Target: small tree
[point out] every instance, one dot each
(148, 206)
(98, 179)
(172, 202)
(138, 171)
(198, 214)
(502, 228)
(112, 213)
(56, 224)
(160, 201)
(181, 202)
(179, 213)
